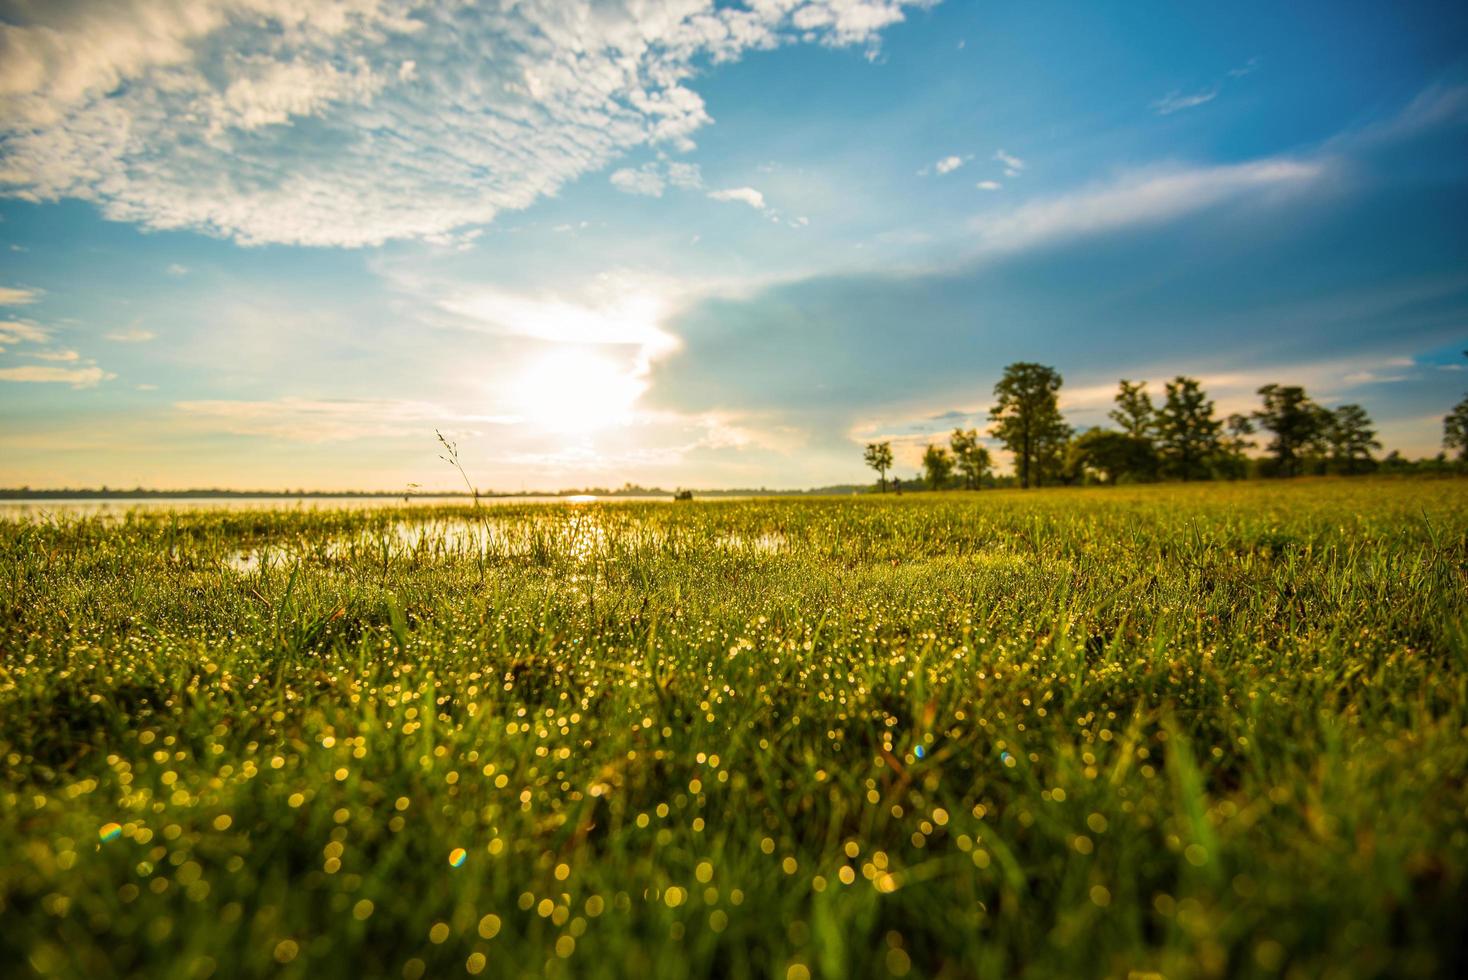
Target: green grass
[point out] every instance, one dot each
(1188, 731)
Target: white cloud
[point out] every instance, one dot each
(316, 420)
(1247, 68)
(1330, 380)
(1150, 197)
(84, 377)
(22, 331)
(741, 195)
(643, 182)
(949, 164)
(63, 356)
(685, 175)
(987, 185)
(132, 335)
(652, 178)
(837, 22)
(1178, 101)
(1433, 107)
(15, 296)
(1373, 377)
(625, 314)
(1012, 164)
(177, 270)
(351, 122)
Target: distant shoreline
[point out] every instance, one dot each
(26, 494)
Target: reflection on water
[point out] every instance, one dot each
(244, 562)
(568, 534)
(562, 529)
(579, 537)
(765, 543)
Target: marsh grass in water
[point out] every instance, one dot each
(1195, 731)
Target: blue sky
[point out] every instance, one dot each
(260, 243)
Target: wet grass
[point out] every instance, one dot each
(1177, 731)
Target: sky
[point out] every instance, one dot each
(271, 244)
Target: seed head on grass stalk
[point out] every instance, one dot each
(450, 455)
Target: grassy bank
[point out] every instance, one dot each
(1192, 731)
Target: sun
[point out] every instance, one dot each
(574, 390)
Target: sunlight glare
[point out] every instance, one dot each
(575, 390)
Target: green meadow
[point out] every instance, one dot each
(1160, 731)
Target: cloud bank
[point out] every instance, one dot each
(16, 296)
(84, 377)
(1142, 198)
(352, 122)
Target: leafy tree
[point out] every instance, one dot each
(1233, 460)
(1187, 432)
(937, 465)
(1395, 462)
(962, 443)
(1116, 455)
(878, 456)
(971, 458)
(1296, 422)
(1028, 421)
(1134, 411)
(1455, 428)
(1351, 438)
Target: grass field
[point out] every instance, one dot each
(1180, 731)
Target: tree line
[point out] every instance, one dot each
(1180, 439)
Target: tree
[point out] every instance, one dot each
(1116, 455)
(1134, 411)
(1296, 422)
(937, 465)
(878, 456)
(1350, 438)
(1187, 432)
(962, 443)
(971, 458)
(1233, 460)
(1455, 430)
(1028, 421)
